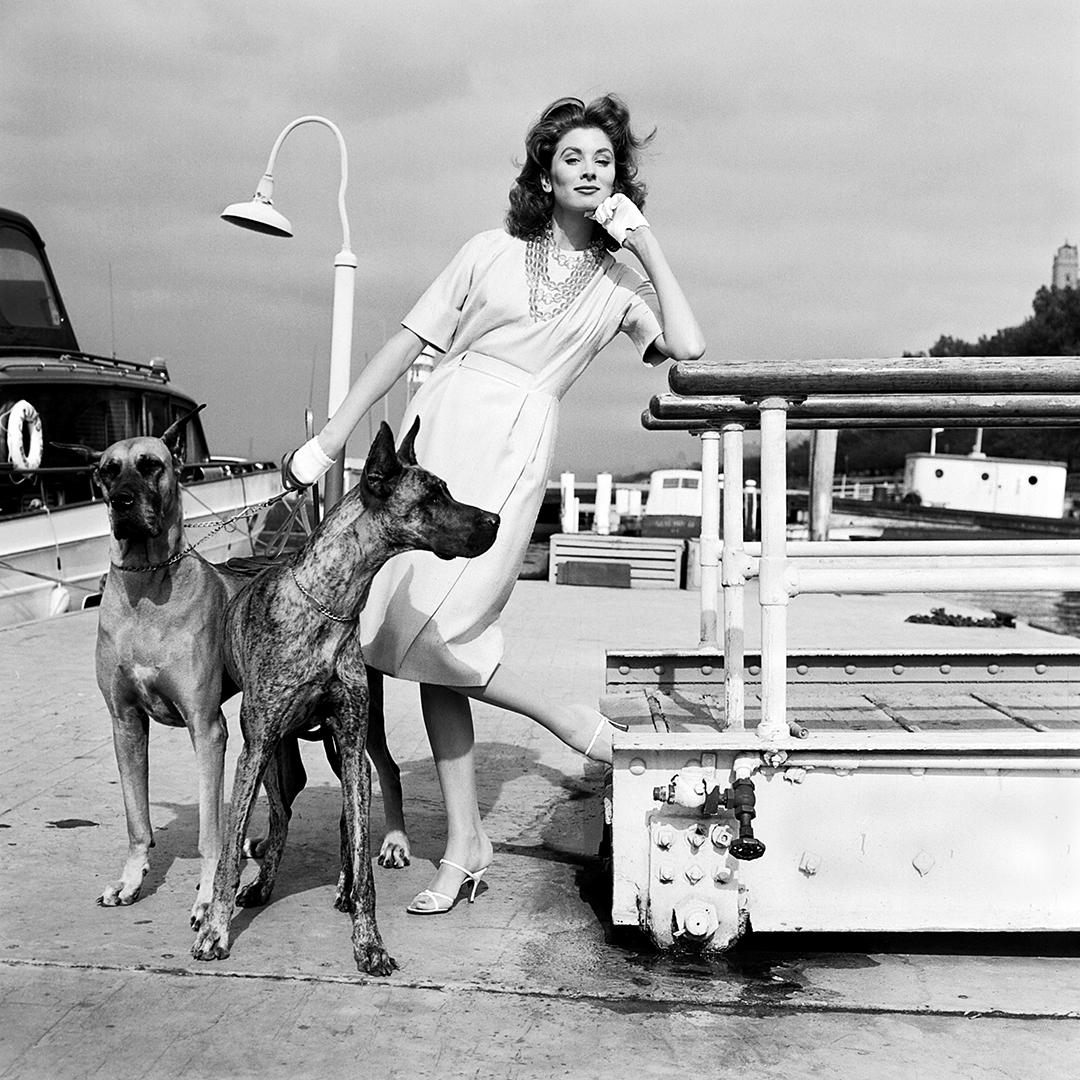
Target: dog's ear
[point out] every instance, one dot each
(407, 452)
(382, 467)
(80, 451)
(171, 435)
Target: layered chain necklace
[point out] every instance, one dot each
(548, 297)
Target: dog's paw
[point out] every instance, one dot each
(254, 894)
(374, 960)
(119, 895)
(210, 944)
(395, 852)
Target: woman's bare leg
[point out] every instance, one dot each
(448, 719)
(575, 725)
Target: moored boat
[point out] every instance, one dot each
(54, 535)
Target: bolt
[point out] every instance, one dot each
(694, 873)
(696, 837)
(720, 835)
(722, 875)
(809, 863)
(666, 874)
(664, 839)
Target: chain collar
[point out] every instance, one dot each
(317, 604)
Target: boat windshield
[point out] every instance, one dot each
(27, 299)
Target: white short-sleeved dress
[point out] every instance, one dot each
(488, 416)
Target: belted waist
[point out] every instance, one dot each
(499, 369)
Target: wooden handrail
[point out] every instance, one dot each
(906, 375)
(678, 412)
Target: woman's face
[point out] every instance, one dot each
(582, 170)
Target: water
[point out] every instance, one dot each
(1054, 611)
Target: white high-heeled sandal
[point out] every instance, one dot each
(441, 903)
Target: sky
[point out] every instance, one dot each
(827, 179)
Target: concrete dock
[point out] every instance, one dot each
(527, 982)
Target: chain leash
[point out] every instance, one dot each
(247, 512)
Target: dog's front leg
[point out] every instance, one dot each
(348, 725)
(395, 851)
(209, 736)
(212, 942)
(131, 731)
(270, 850)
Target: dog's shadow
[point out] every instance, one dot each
(546, 821)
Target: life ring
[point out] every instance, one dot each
(24, 438)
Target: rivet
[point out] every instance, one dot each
(1040, 669)
(802, 669)
(659, 669)
(849, 669)
(624, 669)
(637, 766)
(992, 669)
(754, 669)
(945, 669)
(706, 669)
(898, 669)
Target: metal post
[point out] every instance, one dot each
(734, 579)
(709, 543)
(772, 584)
(602, 507)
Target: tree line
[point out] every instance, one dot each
(1053, 329)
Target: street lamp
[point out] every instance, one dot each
(259, 215)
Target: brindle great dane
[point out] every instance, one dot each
(292, 641)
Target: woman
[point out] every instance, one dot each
(518, 314)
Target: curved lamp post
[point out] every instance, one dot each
(259, 215)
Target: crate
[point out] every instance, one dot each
(654, 562)
(611, 575)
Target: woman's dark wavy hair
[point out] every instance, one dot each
(530, 205)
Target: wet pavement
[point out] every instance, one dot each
(530, 981)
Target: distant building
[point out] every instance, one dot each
(1065, 267)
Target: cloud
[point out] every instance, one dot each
(827, 179)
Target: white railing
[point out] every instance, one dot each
(721, 401)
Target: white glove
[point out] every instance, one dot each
(617, 215)
(303, 467)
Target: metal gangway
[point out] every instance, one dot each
(832, 810)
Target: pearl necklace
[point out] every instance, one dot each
(548, 297)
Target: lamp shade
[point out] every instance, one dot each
(258, 215)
